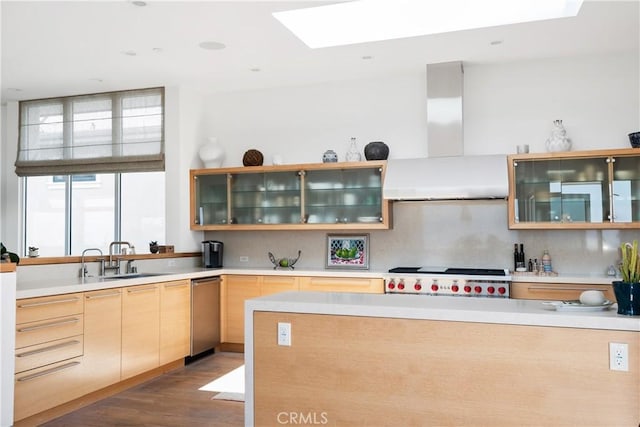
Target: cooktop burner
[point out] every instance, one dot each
(446, 270)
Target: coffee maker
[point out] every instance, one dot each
(212, 253)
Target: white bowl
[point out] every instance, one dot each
(592, 297)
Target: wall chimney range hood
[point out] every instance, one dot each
(447, 174)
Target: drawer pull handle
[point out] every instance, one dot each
(131, 291)
(57, 301)
(546, 288)
(50, 348)
(48, 325)
(175, 285)
(48, 371)
(113, 294)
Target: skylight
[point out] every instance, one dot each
(375, 20)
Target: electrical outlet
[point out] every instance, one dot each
(244, 259)
(284, 333)
(618, 356)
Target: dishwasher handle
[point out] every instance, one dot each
(206, 280)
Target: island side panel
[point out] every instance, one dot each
(370, 371)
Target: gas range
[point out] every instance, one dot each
(464, 282)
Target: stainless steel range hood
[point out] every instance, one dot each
(447, 173)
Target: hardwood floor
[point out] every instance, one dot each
(170, 400)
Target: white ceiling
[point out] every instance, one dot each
(53, 48)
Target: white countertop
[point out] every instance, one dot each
(53, 286)
(56, 286)
(455, 309)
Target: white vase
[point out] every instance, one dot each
(211, 153)
(558, 140)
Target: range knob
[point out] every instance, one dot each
(454, 288)
(417, 286)
(491, 289)
(502, 290)
(467, 288)
(434, 287)
(478, 289)
(401, 285)
(391, 284)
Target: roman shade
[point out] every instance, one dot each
(109, 132)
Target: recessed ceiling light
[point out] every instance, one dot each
(129, 53)
(157, 50)
(366, 21)
(367, 57)
(96, 80)
(139, 3)
(212, 45)
(495, 42)
(255, 69)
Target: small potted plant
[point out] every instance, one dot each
(153, 247)
(627, 290)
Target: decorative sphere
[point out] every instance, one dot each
(376, 150)
(252, 158)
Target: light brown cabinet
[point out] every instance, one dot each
(103, 335)
(48, 356)
(140, 329)
(598, 189)
(175, 320)
(342, 284)
(556, 291)
(236, 289)
(313, 196)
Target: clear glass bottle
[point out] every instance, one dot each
(353, 154)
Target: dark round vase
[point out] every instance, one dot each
(628, 297)
(376, 150)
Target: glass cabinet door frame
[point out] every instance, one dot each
(303, 224)
(631, 216)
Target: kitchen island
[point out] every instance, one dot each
(362, 359)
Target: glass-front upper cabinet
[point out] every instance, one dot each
(265, 198)
(343, 196)
(314, 196)
(210, 201)
(590, 189)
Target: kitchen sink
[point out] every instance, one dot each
(130, 276)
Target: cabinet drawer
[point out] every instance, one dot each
(34, 309)
(40, 389)
(39, 355)
(342, 284)
(556, 291)
(48, 330)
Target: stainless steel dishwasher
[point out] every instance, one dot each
(205, 314)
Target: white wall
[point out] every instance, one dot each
(505, 105)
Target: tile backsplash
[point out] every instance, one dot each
(439, 233)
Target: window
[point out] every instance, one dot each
(64, 215)
(89, 163)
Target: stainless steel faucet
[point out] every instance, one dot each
(115, 266)
(83, 270)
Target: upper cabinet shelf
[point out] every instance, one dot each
(597, 189)
(314, 196)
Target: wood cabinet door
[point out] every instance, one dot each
(556, 291)
(175, 320)
(275, 284)
(235, 290)
(102, 338)
(140, 329)
(342, 284)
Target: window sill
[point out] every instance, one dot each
(26, 261)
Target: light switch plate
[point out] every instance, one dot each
(618, 356)
(284, 333)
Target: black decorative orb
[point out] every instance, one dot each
(634, 139)
(376, 150)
